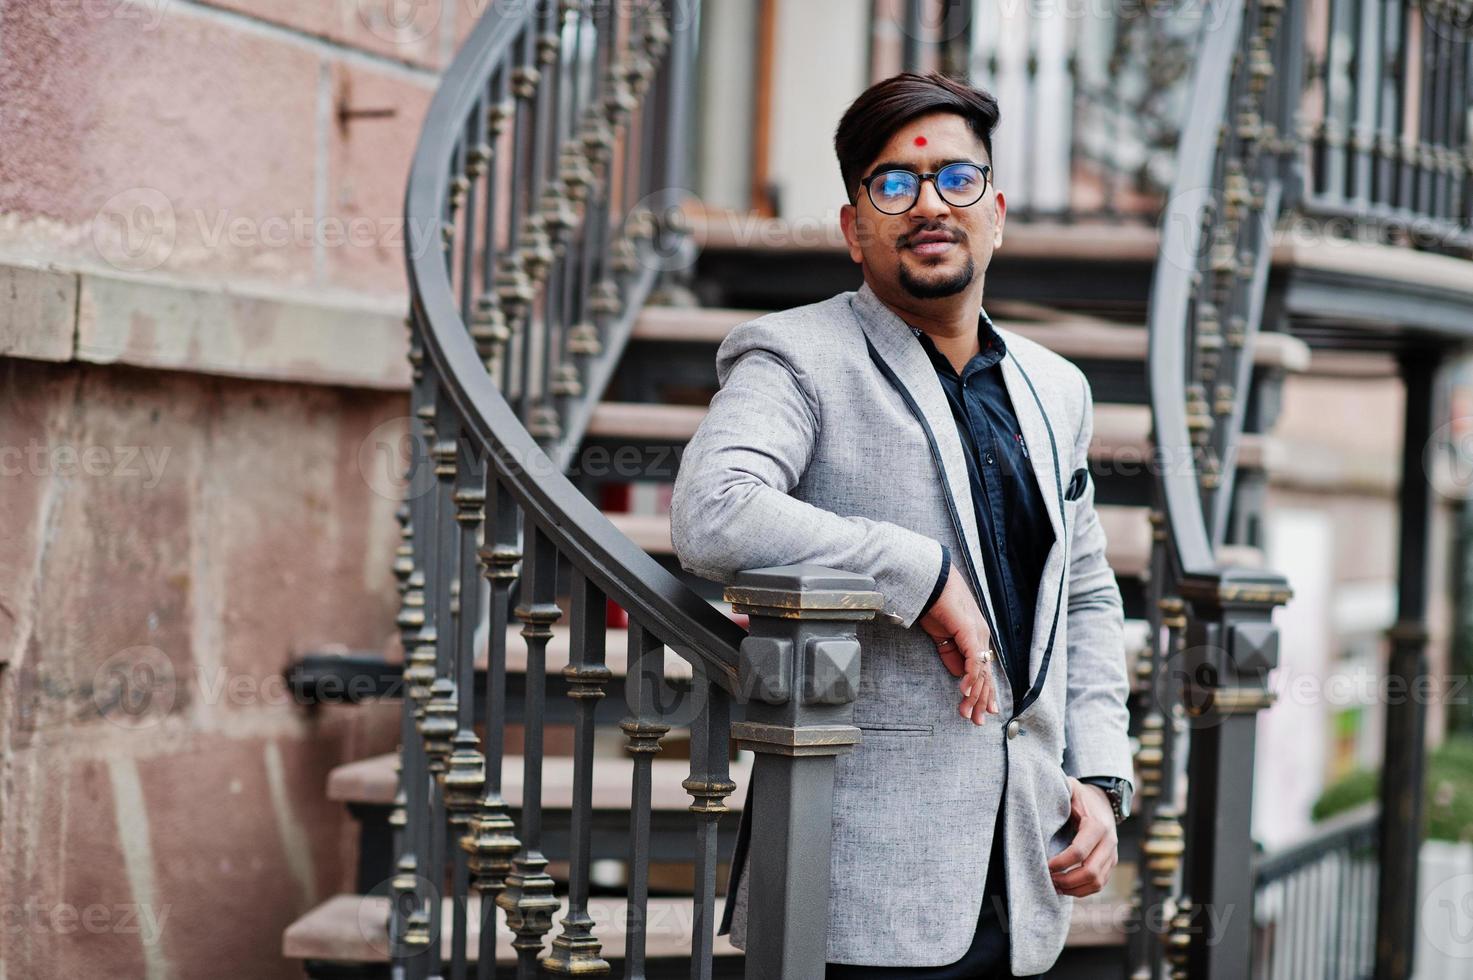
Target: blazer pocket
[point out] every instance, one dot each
(1077, 483)
(888, 728)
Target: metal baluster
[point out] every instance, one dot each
(513, 285)
(1406, 137)
(596, 143)
(528, 900)
(1335, 126)
(576, 950)
(606, 301)
(643, 729)
(575, 178)
(1455, 135)
(557, 218)
(709, 785)
(409, 922)
(1366, 87)
(624, 258)
(465, 776)
(440, 711)
(489, 328)
(493, 838)
(419, 677)
(537, 255)
(476, 152)
(1388, 121)
(451, 208)
(409, 621)
(1422, 195)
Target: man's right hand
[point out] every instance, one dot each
(964, 644)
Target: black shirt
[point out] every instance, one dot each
(1012, 521)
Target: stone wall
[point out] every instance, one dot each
(201, 388)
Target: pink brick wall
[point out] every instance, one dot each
(210, 143)
(178, 538)
(207, 528)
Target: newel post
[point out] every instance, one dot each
(1232, 644)
(799, 678)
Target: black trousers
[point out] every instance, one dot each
(985, 959)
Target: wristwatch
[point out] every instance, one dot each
(1118, 790)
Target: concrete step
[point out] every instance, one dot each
(374, 782)
(1074, 336)
(353, 929)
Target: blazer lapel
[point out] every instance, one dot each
(1043, 449)
(891, 336)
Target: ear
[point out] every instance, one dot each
(1002, 217)
(848, 222)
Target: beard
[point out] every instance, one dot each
(938, 288)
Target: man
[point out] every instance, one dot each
(895, 432)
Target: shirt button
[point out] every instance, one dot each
(1014, 728)
(989, 459)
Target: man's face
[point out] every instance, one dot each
(934, 250)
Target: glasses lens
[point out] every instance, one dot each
(893, 191)
(961, 184)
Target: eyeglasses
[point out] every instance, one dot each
(896, 191)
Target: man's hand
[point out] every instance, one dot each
(1093, 854)
(965, 645)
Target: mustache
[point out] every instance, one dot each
(953, 234)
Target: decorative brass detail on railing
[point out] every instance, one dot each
(437, 725)
(710, 797)
(1164, 846)
(491, 843)
(1151, 754)
(643, 735)
(464, 778)
(1173, 612)
(587, 680)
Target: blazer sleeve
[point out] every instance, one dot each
(731, 509)
(1096, 718)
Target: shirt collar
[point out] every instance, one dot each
(991, 348)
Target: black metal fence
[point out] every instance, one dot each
(1315, 904)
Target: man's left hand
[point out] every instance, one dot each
(1085, 865)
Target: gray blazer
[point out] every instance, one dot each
(831, 442)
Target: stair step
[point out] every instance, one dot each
(353, 929)
(373, 781)
(1070, 335)
(1127, 529)
(1121, 432)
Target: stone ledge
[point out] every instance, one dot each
(89, 316)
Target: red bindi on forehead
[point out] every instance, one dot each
(920, 141)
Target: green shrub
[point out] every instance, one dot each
(1449, 786)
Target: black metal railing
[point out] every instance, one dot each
(1093, 100)
(1212, 642)
(1315, 903)
(1386, 119)
(530, 254)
